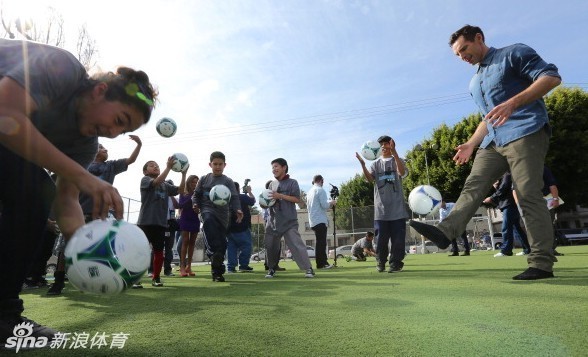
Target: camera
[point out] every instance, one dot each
(245, 185)
(334, 191)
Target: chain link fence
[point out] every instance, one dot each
(351, 224)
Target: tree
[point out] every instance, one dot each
(568, 114)
(444, 174)
(86, 48)
(49, 29)
(357, 192)
(254, 210)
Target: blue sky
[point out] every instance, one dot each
(309, 81)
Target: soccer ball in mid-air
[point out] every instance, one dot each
(424, 200)
(106, 257)
(265, 199)
(370, 150)
(181, 163)
(220, 195)
(166, 127)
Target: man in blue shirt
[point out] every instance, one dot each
(508, 87)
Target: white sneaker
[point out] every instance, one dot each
(498, 255)
(309, 273)
(270, 274)
(521, 253)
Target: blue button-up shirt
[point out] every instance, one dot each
(502, 74)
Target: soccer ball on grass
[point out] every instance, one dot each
(106, 257)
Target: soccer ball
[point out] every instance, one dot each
(220, 195)
(424, 200)
(180, 162)
(106, 257)
(166, 127)
(370, 150)
(265, 199)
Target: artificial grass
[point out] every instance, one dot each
(437, 306)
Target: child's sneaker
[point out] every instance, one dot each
(56, 288)
(157, 282)
(219, 278)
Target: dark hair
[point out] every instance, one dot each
(217, 155)
(468, 32)
(384, 138)
(267, 184)
(317, 178)
(129, 87)
(370, 234)
(147, 164)
(281, 162)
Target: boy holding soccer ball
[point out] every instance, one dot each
(390, 212)
(283, 221)
(51, 115)
(153, 214)
(214, 217)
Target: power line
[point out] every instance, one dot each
(327, 118)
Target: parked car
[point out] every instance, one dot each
(258, 256)
(566, 236)
(497, 241)
(309, 249)
(429, 246)
(342, 251)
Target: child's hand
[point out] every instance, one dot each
(360, 159)
(170, 162)
(239, 216)
(105, 196)
(135, 138)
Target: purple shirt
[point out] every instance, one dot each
(189, 220)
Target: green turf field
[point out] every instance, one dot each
(437, 306)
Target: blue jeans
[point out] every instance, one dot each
(394, 232)
(238, 244)
(511, 227)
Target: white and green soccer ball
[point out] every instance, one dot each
(166, 127)
(106, 257)
(370, 150)
(181, 163)
(265, 198)
(220, 195)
